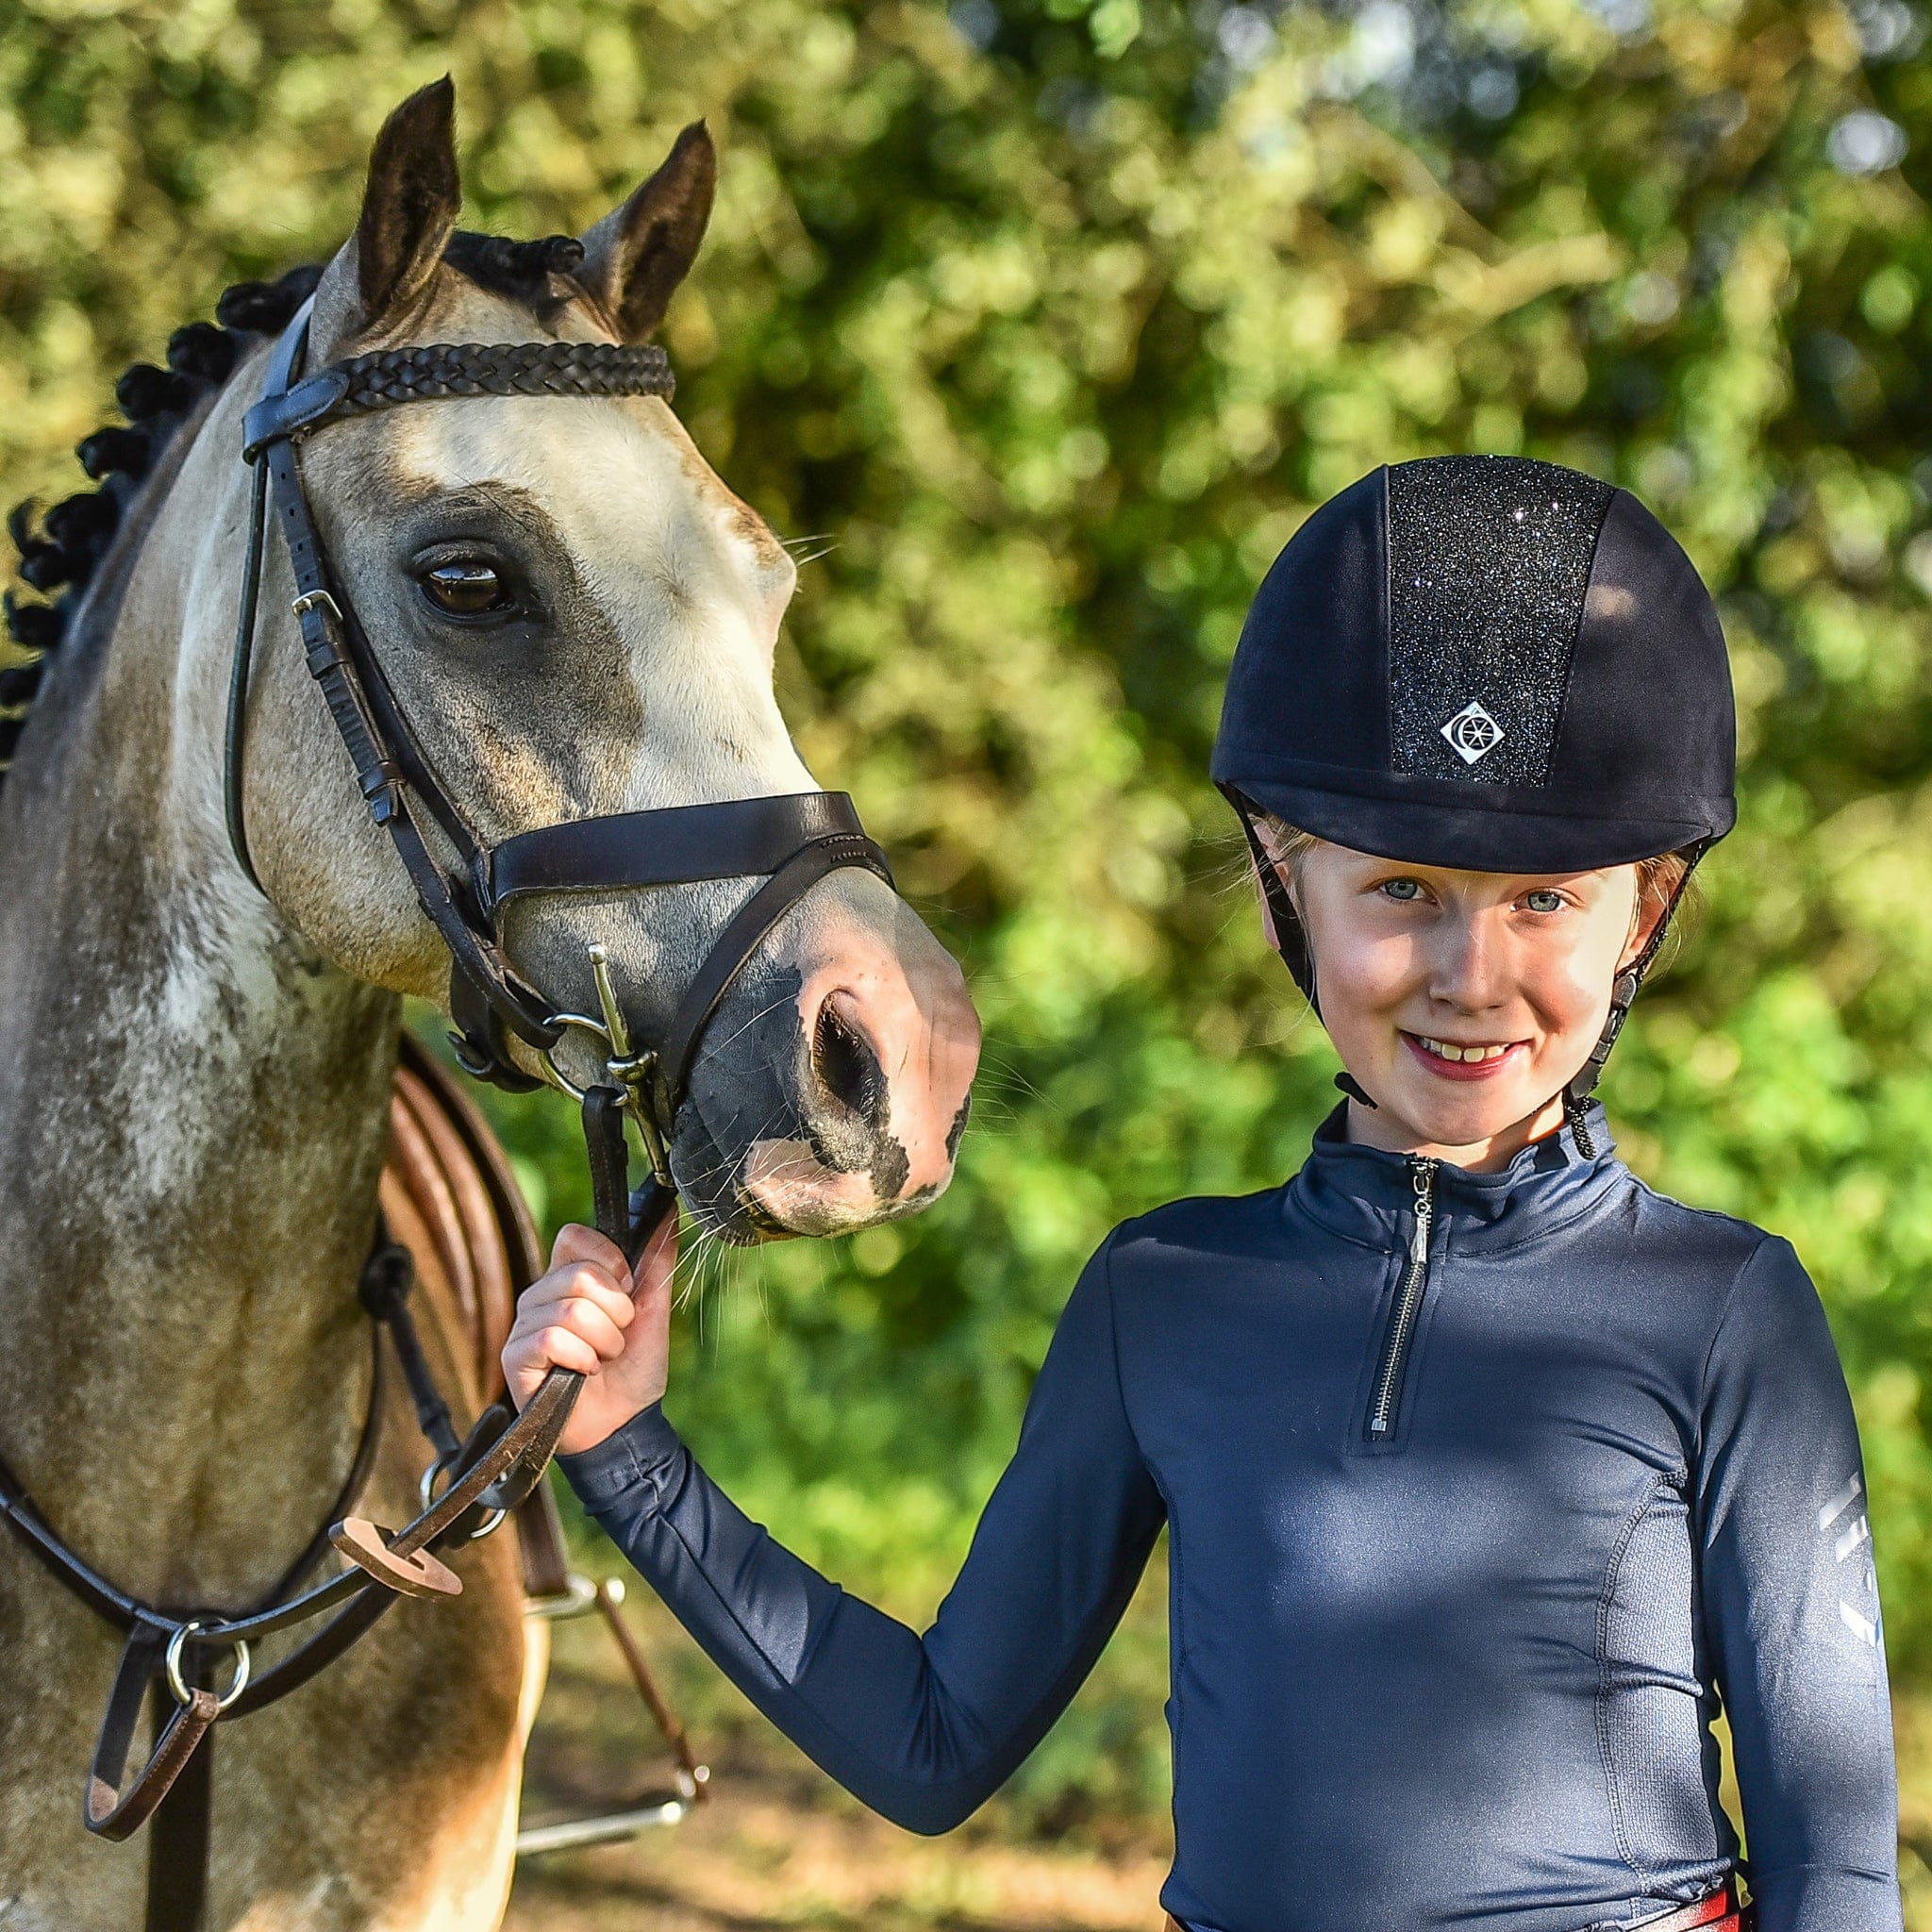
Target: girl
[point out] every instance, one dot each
(1491, 1475)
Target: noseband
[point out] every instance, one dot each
(790, 842)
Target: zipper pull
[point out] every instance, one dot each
(1387, 1398)
(1422, 1175)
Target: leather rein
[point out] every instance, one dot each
(788, 843)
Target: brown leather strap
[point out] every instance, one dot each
(540, 1541)
(115, 1810)
(678, 845)
(732, 949)
(180, 1837)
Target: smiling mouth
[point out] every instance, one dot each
(1463, 1060)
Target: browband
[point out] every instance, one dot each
(434, 372)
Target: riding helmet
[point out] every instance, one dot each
(1485, 662)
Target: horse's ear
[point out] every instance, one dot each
(409, 208)
(634, 257)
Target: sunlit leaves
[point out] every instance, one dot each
(1055, 320)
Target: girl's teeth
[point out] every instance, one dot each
(1448, 1050)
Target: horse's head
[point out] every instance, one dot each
(577, 619)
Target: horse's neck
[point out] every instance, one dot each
(193, 1109)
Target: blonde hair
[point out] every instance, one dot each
(1661, 880)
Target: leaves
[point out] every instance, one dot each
(1054, 321)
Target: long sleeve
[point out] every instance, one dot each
(921, 1728)
(1790, 1610)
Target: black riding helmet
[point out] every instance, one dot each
(1485, 662)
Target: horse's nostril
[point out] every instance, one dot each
(846, 1066)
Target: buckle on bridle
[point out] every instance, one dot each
(317, 600)
(630, 1070)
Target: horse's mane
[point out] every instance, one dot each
(61, 552)
(60, 556)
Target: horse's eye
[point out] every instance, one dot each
(464, 587)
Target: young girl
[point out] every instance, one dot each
(1491, 1475)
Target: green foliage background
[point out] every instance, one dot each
(1055, 318)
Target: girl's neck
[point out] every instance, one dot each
(1377, 1127)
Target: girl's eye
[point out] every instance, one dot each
(1543, 901)
(464, 587)
(1401, 889)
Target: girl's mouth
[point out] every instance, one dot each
(1464, 1059)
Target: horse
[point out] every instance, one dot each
(577, 618)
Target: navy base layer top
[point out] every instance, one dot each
(1485, 1491)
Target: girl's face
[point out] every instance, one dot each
(1463, 1002)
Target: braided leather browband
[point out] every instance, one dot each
(382, 378)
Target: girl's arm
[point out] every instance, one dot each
(921, 1728)
(1790, 1610)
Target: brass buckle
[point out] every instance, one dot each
(626, 1068)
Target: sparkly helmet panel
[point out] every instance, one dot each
(1485, 662)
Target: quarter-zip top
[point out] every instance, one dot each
(1386, 1397)
(1467, 1686)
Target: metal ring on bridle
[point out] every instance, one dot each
(631, 1073)
(545, 1055)
(426, 1489)
(178, 1684)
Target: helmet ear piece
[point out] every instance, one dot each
(1285, 928)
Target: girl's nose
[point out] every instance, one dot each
(1468, 961)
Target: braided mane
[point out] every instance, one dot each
(59, 557)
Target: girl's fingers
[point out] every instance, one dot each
(582, 1317)
(654, 1265)
(577, 1242)
(559, 1348)
(585, 1317)
(584, 1281)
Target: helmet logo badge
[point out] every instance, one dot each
(1473, 734)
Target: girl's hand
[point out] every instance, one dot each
(591, 1313)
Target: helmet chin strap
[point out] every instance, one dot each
(1623, 996)
(1289, 936)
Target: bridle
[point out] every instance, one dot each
(789, 842)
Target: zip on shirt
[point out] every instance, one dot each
(1385, 1401)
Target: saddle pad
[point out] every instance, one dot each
(449, 1195)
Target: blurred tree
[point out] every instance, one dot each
(1052, 319)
